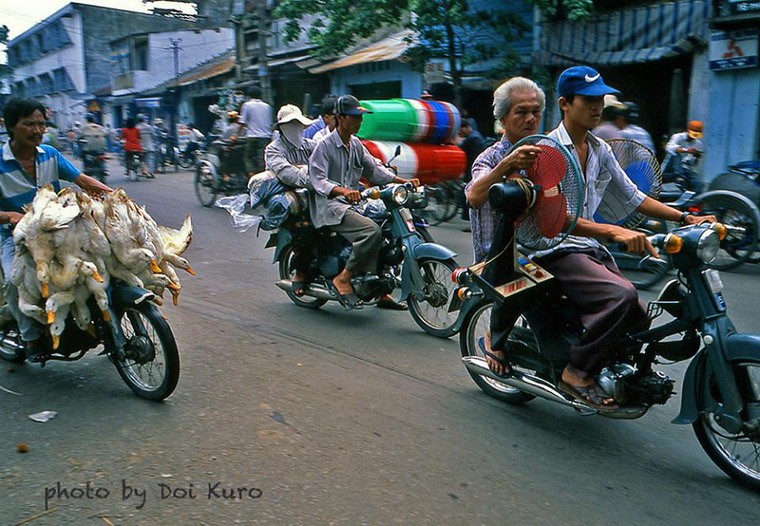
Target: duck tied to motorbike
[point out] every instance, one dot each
(69, 247)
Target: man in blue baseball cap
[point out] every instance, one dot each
(607, 302)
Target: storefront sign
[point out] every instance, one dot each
(739, 7)
(734, 49)
(148, 102)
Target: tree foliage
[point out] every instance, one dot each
(556, 10)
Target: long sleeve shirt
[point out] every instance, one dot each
(333, 164)
(289, 163)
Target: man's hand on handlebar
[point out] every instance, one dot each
(352, 196)
(415, 182)
(636, 242)
(698, 220)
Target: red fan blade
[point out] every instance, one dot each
(550, 212)
(549, 169)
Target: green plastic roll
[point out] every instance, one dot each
(390, 120)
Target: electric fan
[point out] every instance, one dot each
(537, 208)
(641, 166)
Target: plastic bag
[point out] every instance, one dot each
(236, 206)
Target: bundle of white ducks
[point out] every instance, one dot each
(69, 246)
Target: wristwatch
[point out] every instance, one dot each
(684, 215)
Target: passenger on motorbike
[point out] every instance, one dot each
(517, 105)
(328, 116)
(288, 157)
(26, 165)
(607, 302)
(335, 168)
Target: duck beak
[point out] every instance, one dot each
(106, 315)
(45, 290)
(50, 317)
(154, 266)
(56, 341)
(190, 270)
(97, 277)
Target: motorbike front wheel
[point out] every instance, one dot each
(478, 325)
(11, 349)
(151, 363)
(288, 272)
(431, 313)
(738, 455)
(736, 248)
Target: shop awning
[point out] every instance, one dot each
(628, 36)
(389, 48)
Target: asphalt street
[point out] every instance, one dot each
(292, 416)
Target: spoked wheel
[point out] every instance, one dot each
(736, 248)
(432, 312)
(644, 272)
(477, 326)
(738, 455)
(455, 192)
(186, 161)
(439, 203)
(205, 184)
(288, 272)
(151, 364)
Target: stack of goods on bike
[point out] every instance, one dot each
(424, 129)
(69, 246)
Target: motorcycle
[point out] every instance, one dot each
(221, 170)
(420, 268)
(95, 165)
(167, 153)
(132, 333)
(721, 389)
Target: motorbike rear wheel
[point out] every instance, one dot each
(205, 184)
(737, 455)
(476, 326)
(288, 272)
(151, 365)
(439, 203)
(432, 312)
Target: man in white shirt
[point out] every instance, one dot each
(685, 152)
(256, 120)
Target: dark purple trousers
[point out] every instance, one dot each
(607, 303)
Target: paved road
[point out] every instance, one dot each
(327, 417)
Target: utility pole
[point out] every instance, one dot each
(175, 47)
(263, 31)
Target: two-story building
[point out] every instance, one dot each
(65, 61)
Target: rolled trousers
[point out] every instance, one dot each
(366, 239)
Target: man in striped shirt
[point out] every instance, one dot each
(27, 165)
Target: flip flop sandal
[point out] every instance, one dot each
(391, 304)
(498, 359)
(348, 301)
(592, 395)
(299, 288)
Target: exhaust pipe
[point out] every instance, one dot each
(524, 382)
(543, 389)
(312, 290)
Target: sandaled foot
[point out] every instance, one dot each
(387, 302)
(501, 361)
(349, 300)
(591, 395)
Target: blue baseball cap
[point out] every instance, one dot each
(583, 80)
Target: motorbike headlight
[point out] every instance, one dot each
(708, 245)
(400, 194)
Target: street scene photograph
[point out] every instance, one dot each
(445, 262)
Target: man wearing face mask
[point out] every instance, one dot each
(288, 156)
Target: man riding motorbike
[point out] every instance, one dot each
(95, 143)
(27, 165)
(335, 168)
(607, 303)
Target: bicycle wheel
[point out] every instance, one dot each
(205, 183)
(737, 211)
(643, 271)
(438, 204)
